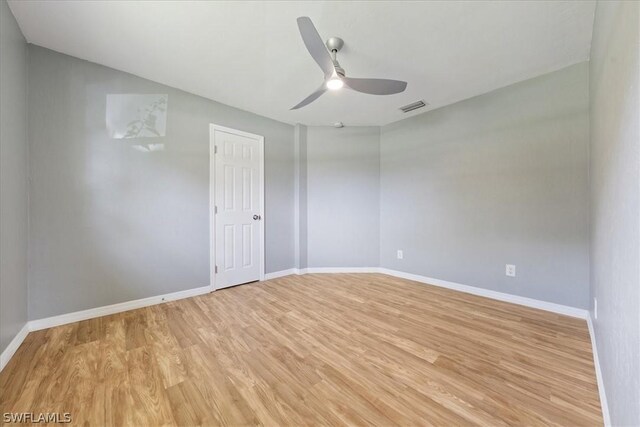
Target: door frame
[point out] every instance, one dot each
(212, 199)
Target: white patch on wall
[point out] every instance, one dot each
(137, 115)
(146, 148)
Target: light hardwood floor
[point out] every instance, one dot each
(334, 349)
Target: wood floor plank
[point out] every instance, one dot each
(331, 349)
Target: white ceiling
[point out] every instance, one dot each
(249, 54)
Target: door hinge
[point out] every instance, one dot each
(215, 209)
(216, 269)
(215, 149)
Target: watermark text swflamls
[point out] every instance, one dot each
(35, 418)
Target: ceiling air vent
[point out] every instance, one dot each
(413, 106)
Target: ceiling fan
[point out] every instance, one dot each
(334, 75)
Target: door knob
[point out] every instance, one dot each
(257, 217)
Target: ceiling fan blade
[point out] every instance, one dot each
(375, 86)
(315, 45)
(309, 99)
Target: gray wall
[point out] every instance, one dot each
(343, 198)
(110, 223)
(615, 205)
(300, 218)
(494, 180)
(13, 177)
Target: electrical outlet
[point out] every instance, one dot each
(510, 270)
(400, 254)
(595, 308)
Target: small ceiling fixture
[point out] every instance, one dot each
(334, 75)
(338, 125)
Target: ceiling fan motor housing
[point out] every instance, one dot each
(335, 43)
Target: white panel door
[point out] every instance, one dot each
(238, 207)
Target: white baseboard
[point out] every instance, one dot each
(500, 296)
(596, 362)
(11, 349)
(322, 270)
(281, 273)
(91, 313)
